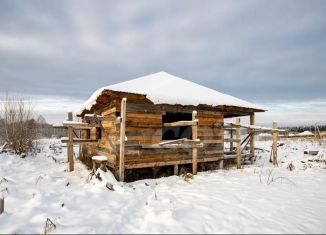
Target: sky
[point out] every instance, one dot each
(271, 53)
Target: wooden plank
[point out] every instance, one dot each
(131, 115)
(217, 137)
(160, 157)
(173, 146)
(211, 132)
(109, 111)
(145, 132)
(194, 137)
(182, 123)
(231, 140)
(79, 141)
(154, 138)
(144, 120)
(140, 129)
(237, 122)
(80, 126)
(218, 141)
(122, 140)
(167, 163)
(172, 141)
(208, 152)
(143, 125)
(156, 164)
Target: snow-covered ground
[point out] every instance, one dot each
(256, 199)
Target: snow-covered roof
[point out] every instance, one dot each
(164, 88)
(305, 133)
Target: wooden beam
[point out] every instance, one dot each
(79, 125)
(178, 141)
(194, 137)
(93, 116)
(182, 123)
(237, 122)
(274, 146)
(179, 162)
(122, 140)
(70, 144)
(79, 141)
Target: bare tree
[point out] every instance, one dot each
(17, 126)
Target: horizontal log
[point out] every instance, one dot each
(213, 151)
(109, 111)
(157, 164)
(143, 125)
(182, 123)
(216, 137)
(173, 146)
(144, 137)
(79, 141)
(220, 141)
(132, 115)
(144, 132)
(231, 140)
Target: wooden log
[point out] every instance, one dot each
(79, 141)
(194, 122)
(194, 137)
(109, 111)
(252, 136)
(274, 146)
(80, 125)
(174, 162)
(122, 140)
(237, 122)
(70, 144)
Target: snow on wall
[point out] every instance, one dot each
(164, 88)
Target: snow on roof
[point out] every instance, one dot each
(164, 88)
(305, 133)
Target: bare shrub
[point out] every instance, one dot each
(48, 227)
(17, 126)
(290, 166)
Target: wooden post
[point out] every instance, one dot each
(252, 137)
(221, 163)
(237, 122)
(194, 149)
(70, 144)
(2, 205)
(176, 169)
(122, 140)
(231, 138)
(274, 146)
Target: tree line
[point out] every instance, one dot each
(19, 128)
(299, 129)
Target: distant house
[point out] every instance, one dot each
(159, 122)
(305, 134)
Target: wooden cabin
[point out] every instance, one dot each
(160, 126)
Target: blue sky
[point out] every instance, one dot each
(271, 53)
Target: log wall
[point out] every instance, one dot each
(144, 127)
